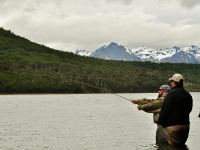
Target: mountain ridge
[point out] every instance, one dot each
(175, 54)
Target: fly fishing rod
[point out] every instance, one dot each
(121, 97)
(93, 86)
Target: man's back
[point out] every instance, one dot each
(176, 108)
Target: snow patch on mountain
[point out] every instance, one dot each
(155, 55)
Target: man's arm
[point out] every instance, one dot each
(153, 106)
(142, 101)
(155, 111)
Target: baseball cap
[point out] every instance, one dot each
(165, 88)
(176, 77)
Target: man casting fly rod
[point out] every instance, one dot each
(154, 106)
(173, 117)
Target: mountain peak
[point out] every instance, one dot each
(176, 47)
(112, 44)
(114, 51)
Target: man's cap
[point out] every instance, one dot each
(176, 77)
(165, 88)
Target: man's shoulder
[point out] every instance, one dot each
(160, 98)
(188, 94)
(177, 92)
(183, 91)
(173, 92)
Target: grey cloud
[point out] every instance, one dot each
(189, 3)
(174, 16)
(184, 3)
(86, 24)
(121, 1)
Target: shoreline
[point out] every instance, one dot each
(77, 93)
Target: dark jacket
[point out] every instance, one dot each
(176, 108)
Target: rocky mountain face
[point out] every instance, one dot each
(114, 51)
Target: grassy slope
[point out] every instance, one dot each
(27, 67)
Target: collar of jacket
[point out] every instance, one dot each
(176, 87)
(164, 95)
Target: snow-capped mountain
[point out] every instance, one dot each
(194, 50)
(181, 57)
(114, 51)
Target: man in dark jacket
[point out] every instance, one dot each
(174, 115)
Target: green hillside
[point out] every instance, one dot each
(27, 67)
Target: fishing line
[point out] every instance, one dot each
(93, 86)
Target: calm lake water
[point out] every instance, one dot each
(81, 122)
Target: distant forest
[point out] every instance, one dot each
(27, 67)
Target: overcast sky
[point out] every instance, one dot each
(87, 24)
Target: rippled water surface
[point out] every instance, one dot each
(81, 122)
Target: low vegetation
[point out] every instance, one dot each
(27, 67)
